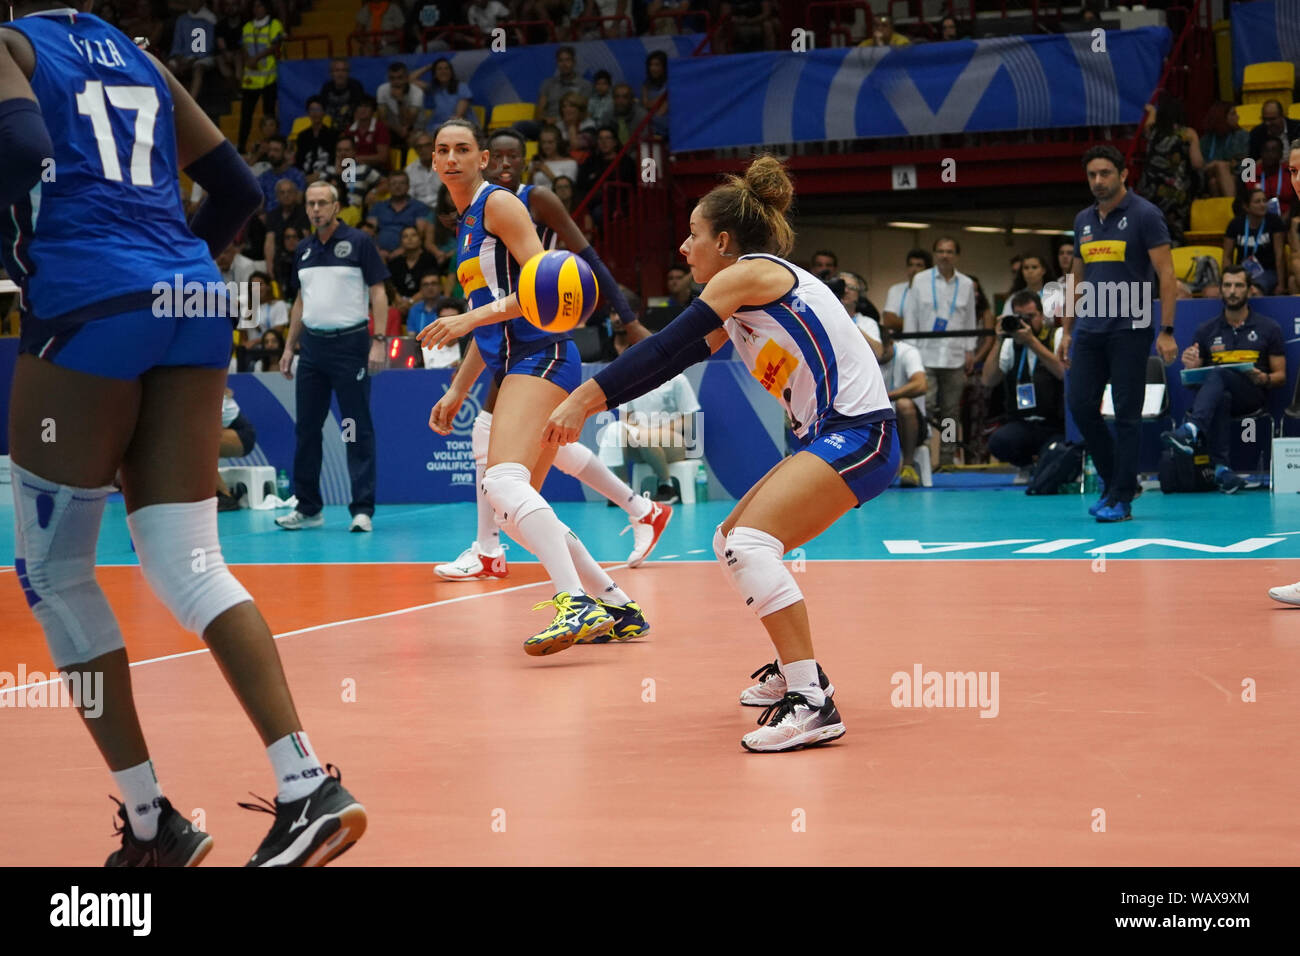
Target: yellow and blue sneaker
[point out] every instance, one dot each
(577, 618)
(629, 624)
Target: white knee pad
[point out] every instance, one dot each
(480, 438)
(720, 546)
(573, 458)
(509, 490)
(56, 530)
(752, 559)
(181, 559)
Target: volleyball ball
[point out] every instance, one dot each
(557, 291)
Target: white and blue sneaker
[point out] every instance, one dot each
(1114, 510)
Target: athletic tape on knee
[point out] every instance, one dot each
(573, 458)
(180, 556)
(510, 492)
(56, 530)
(480, 437)
(752, 558)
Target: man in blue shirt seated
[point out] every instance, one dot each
(282, 167)
(1236, 335)
(393, 215)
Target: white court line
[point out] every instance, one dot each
(321, 627)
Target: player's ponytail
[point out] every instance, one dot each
(751, 209)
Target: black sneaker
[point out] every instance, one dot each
(311, 831)
(666, 494)
(177, 843)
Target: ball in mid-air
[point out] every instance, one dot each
(557, 291)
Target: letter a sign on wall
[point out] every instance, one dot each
(904, 177)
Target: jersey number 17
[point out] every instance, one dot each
(94, 100)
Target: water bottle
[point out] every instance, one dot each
(282, 485)
(701, 481)
(1090, 484)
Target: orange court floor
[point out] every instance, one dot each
(1118, 733)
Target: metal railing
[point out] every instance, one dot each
(305, 39)
(374, 40)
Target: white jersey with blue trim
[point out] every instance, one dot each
(806, 351)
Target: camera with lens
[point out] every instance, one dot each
(1011, 323)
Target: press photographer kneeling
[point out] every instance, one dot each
(1034, 382)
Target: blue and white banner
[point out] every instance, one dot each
(1264, 32)
(743, 432)
(514, 75)
(1003, 83)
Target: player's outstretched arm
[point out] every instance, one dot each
(24, 141)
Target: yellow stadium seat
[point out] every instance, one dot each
(1184, 257)
(302, 122)
(1211, 215)
(1263, 96)
(1293, 111)
(480, 115)
(1248, 115)
(1279, 75)
(530, 150)
(508, 114)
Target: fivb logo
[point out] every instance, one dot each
(951, 689)
(75, 909)
(1103, 300)
(59, 689)
(241, 301)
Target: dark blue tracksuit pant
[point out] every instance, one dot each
(1120, 358)
(1224, 394)
(334, 364)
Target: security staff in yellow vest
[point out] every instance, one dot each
(261, 41)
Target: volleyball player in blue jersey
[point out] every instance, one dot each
(113, 376)
(485, 558)
(802, 346)
(538, 369)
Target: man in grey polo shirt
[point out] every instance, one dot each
(340, 272)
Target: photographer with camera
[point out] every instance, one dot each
(1034, 382)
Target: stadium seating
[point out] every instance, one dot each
(1268, 81)
(508, 114)
(1185, 256)
(1209, 220)
(1249, 115)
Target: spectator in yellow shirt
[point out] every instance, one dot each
(882, 33)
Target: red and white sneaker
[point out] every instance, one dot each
(474, 565)
(647, 531)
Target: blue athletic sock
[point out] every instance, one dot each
(1221, 470)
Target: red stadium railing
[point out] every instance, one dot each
(518, 28)
(649, 211)
(305, 39)
(1185, 75)
(461, 35)
(831, 18)
(370, 43)
(629, 29)
(696, 21)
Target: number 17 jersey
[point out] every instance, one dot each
(105, 221)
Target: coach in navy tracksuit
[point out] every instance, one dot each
(340, 273)
(1121, 251)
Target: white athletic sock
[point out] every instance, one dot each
(801, 678)
(546, 536)
(489, 535)
(594, 579)
(297, 771)
(141, 794)
(581, 462)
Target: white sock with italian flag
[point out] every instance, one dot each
(297, 771)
